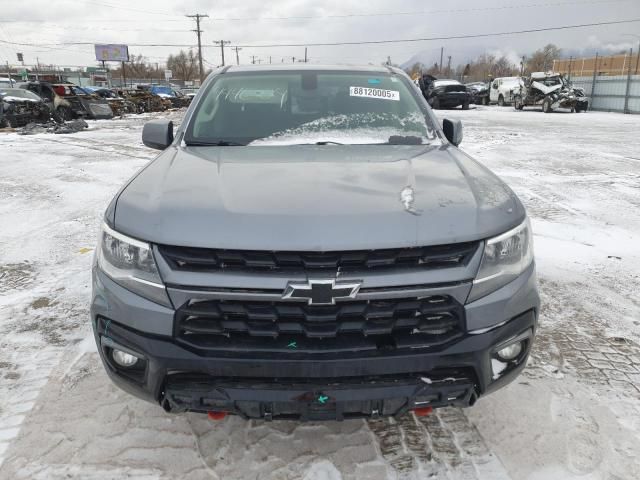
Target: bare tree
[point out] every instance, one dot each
(542, 60)
(503, 68)
(416, 70)
(184, 65)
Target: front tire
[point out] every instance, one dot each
(501, 101)
(546, 105)
(485, 100)
(465, 106)
(517, 102)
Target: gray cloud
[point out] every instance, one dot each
(41, 22)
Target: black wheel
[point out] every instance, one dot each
(65, 113)
(501, 101)
(517, 102)
(485, 100)
(546, 105)
(6, 123)
(465, 106)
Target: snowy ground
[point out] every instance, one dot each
(574, 413)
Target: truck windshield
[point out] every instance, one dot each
(309, 107)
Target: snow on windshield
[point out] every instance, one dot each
(363, 128)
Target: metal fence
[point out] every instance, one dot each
(620, 93)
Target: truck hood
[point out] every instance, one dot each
(315, 198)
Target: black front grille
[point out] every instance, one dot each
(206, 260)
(296, 327)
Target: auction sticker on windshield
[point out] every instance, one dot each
(374, 93)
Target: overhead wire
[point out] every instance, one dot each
(361, 42)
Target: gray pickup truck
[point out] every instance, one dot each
(312, 245)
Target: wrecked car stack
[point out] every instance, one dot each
(144, 101)
(550, 90)
(119, 105)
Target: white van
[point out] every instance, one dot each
(502, 88)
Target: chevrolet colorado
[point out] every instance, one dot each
(312, 245)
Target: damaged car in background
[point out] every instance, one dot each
(118, 104)
(19, 107)
(479, 92)
(444, 93)
(177, 99)
(550, 90)
(143, 100)
(68, 101)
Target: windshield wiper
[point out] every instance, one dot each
(219, 143)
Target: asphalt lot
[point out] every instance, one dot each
(574, 413)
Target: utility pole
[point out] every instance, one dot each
(305, 54)
(522, 67)
(237, 49)
(222, 43)
(269, 59)
(253, 59)
(198, 16)
(293, 59)
(449, 67)
(441, 54)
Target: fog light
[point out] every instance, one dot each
(124, 359)
(510, 352)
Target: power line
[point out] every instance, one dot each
(330, 44)
(449, 37)
(198, 16)
(420, 12)
(121, 7)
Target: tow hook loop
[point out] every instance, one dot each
(216, 415)
(423, 411)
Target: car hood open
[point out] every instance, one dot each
(312, 197)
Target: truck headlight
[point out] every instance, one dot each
(505, 257)
(130, 263)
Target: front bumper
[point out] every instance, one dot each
(310, 387)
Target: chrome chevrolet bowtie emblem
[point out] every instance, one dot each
(321, 292)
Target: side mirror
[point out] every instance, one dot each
(158, 134)
(452, 130)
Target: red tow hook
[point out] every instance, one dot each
(423, 411)
(216, 415)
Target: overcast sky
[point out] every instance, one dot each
(251, 22)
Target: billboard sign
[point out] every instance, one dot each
(112, 53)
(168, 74)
